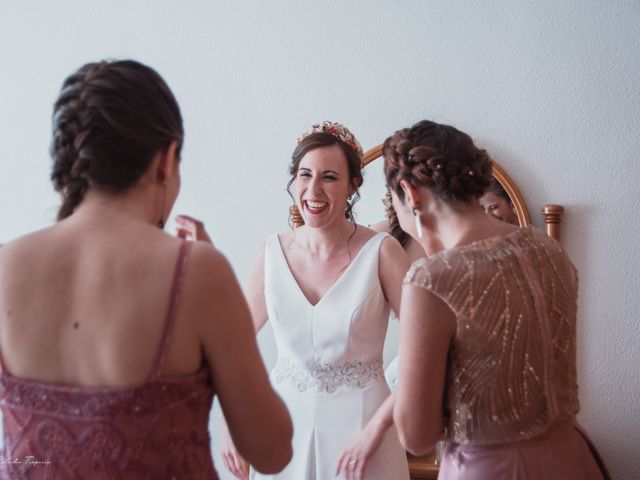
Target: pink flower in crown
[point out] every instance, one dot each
(337, 130)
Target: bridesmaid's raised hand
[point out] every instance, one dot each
(191, 228)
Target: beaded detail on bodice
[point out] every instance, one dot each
(327, 377)
(157, 430)
(512, 364)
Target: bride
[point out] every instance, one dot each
(327, 288)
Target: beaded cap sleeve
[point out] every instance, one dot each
(512, 364)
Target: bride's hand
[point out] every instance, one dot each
(237, 465)
(354, 458)
(191, 229)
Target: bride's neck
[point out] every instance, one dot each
(328, 240)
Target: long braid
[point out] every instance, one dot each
(68, 136)
(109, 121)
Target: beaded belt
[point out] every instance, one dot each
(326, 377)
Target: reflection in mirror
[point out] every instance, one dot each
(515, 197)
(496, 202)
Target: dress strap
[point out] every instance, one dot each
(176, 289)
(3, 369)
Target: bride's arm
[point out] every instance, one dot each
(254, 292)
(392, 266)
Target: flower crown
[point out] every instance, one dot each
(339, 131)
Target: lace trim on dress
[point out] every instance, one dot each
(326, 377)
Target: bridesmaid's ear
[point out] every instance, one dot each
(411, 194)
(167, 163)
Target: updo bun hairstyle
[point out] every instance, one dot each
(439, 157)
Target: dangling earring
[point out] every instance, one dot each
(416, 216)
(160, 223)
(295, 217)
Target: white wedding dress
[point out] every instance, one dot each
(329, 369)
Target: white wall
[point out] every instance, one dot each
(552, 89)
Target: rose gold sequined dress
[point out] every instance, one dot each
(156, 430)
(511, 394)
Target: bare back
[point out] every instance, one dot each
(84, 303)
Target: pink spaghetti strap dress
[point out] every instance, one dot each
(157, 429)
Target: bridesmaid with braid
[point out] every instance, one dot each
(115, 336)
(488, 324)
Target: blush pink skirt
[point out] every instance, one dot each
(563, 453)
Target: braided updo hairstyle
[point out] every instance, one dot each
(110, 120)
(440, 157)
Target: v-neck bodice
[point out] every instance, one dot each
(367, 245)
(348, 323)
